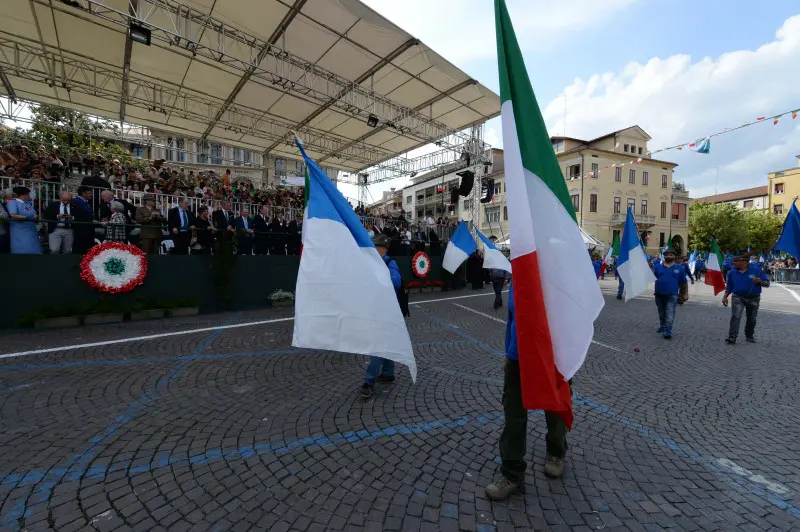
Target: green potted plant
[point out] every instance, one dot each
(103, 310)
(51, 318)
(145, 308)
(184, 307)
(281, 298)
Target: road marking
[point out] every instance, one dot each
(794, 294)
(504, 322)
(774, 487)
(188, 331)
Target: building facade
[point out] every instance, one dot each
(756, 198)
(603, 185)
(784, 188)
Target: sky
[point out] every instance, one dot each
(680, 69)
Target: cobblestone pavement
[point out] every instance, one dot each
(232, 429)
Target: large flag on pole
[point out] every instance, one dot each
(693, 261)
(632, 264)
(790, 234)
(714, 268)
(493, 258)
(556, 294)
(344, 300)
(460, 247)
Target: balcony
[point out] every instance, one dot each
(681, 195)
(678, 223)
(641, 221)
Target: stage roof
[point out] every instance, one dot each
(245, 72)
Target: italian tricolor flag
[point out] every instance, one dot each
(714, 268)
(556, 295)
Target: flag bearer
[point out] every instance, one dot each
(744, 282)
(671, 286)
(513, 440)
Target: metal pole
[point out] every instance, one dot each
(582, 181)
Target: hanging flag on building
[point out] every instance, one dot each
(556, 294)
(632, 264)
(493, 258)
(789, 240)
(460, 247)
(344, 299)
(714, 263)
(700, 146)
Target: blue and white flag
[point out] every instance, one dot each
(693, 261)
(461, 246)
(344, 300)
(789, 241)
(632, 263)
(700, 146)
(493, 258)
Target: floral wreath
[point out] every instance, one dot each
(421, 264)
(114, 268)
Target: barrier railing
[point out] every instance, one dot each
(785, 276)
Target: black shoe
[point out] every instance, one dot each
(619, 297)
(667, 334)
(366, 390)
(385, 378)
(730, 341)
(751, 339)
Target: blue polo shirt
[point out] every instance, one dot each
(668, 279)
(598, 265)
(741, 283)
(698, 265)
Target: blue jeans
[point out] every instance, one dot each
(378, 366)
(620, 287)
(666, 304)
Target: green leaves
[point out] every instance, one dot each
(731, 227)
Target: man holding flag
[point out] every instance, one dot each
(551, 315)
(744, 282)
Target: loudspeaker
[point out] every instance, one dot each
(467, 180)
(487, 190)
(454, 196)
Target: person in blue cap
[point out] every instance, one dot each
(745, 281)
(671, 288)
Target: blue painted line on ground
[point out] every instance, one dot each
(77, 465)
(177, 358)
(464, 335)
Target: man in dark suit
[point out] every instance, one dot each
(294, 239)
(277, 237)
(419, 238)
(84, 221)
(244, 231)
(104, 212)
(59, 218)
(98, 185)
(223, 220)
(261, 226)
(180, 223)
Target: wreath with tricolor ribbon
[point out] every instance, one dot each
(114, 268)
(421, 264)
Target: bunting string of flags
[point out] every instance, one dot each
(701, 145)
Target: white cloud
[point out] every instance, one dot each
(539, 24)
(677, 100)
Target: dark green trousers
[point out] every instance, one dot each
(514, 439)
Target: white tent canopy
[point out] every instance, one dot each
(357, 89)
(590, 242)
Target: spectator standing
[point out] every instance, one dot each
(83, 213)
(151, 221)
(24, 234)
(244, 232)
(98, 185)
(293, 239)
(116, 225)
(204, 232)
(180, 222)
(277, 237)
(261, 227)
(59, 217)
(744, 282)
(223, 220)
(499, 279)
(4, 229)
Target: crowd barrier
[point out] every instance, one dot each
(785, 276)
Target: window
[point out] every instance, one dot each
(617, 202)
(574, 171)
(137, 151)
(618, 174)
(640, 150)
(678, 211)
(644, 207)
(505, 212)
(170, 148)
(498, 187)
(493, 215)
(592, 202)
(237, 157)
(595, 170)
(558, 145)
(467, 203)
(664, 181)
(247, 158)
(663, 209)
(202, 148)
(661, 240)
(625, 148)
(280, 166)
(632, 176)
(778, 188)
(180, 144)
(576, 202)
(633, 148)
(645, 178)
(408, 199)
(216, 154)
(632, 205)
(748, 204)
(778, 209)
